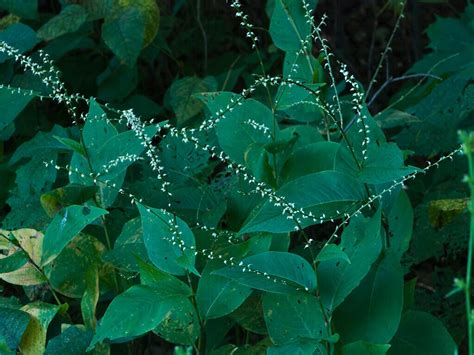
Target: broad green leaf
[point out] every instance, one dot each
(12, 102)
(31, 242)
(13, 324)
(361, 241)
(249, 315)
(293, 317)
(127, 247)
(133, 313)
(325, 192)
(107, 160)
(73, 263)
(420, 333)
(98, 9)
(19, 36)
(34, 339)
(72, 341)
(27, 9)
(289, 26)
(181, 323)
(181, 92)
(301, 102)
(12, 262)
(246, 123)
(123, 33)
(91, 297)
(154, 277)
(400, 222)
(33, 178)
(27, 275)
(301, 347)
(70, 19)
(151, 16)
(330, 252)
(170, 250)
(217, 296)
(310, 159)
(72, 194)
(384, 164)
(109, 154)
(97, 130)
(364, 348)
(272, 271)
(65, 226)
(373, 310)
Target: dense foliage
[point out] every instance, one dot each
(178, 179)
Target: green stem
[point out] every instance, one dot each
(468, 145)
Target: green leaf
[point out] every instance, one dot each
(164, 245)
(249, 315)
(12, 262)
(364, 348)
(133, 313)
(361, 241)
(325, 192)
(72, 144)
(72, 194)
(13, 324)
(330, 252)
(73, 263)
(288, 25)
(153, 277)
(217, 296)
(151, 15)
(90, 298)
(301, 347)
(400, 222)
(107, 160)
(181, 323)
(181, 92)
(109, 154)
(237, 129)
(293, 317)
(273, 271)
(384, 164)
(27, 9)
(322, 156)
(421, 333)
(98, 9)
(65, 226)
(34, 339)
(12, 102)
(70, 19)
(123, 33)
(373, 310)
(128, 247)
(27, 275)
(31, 242)
(19, 36)
(72, 341)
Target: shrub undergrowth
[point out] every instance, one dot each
(263, 208)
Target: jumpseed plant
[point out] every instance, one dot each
(277, 213)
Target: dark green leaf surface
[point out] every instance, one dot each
(362, 243)
(273, 271)
(65, 226)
